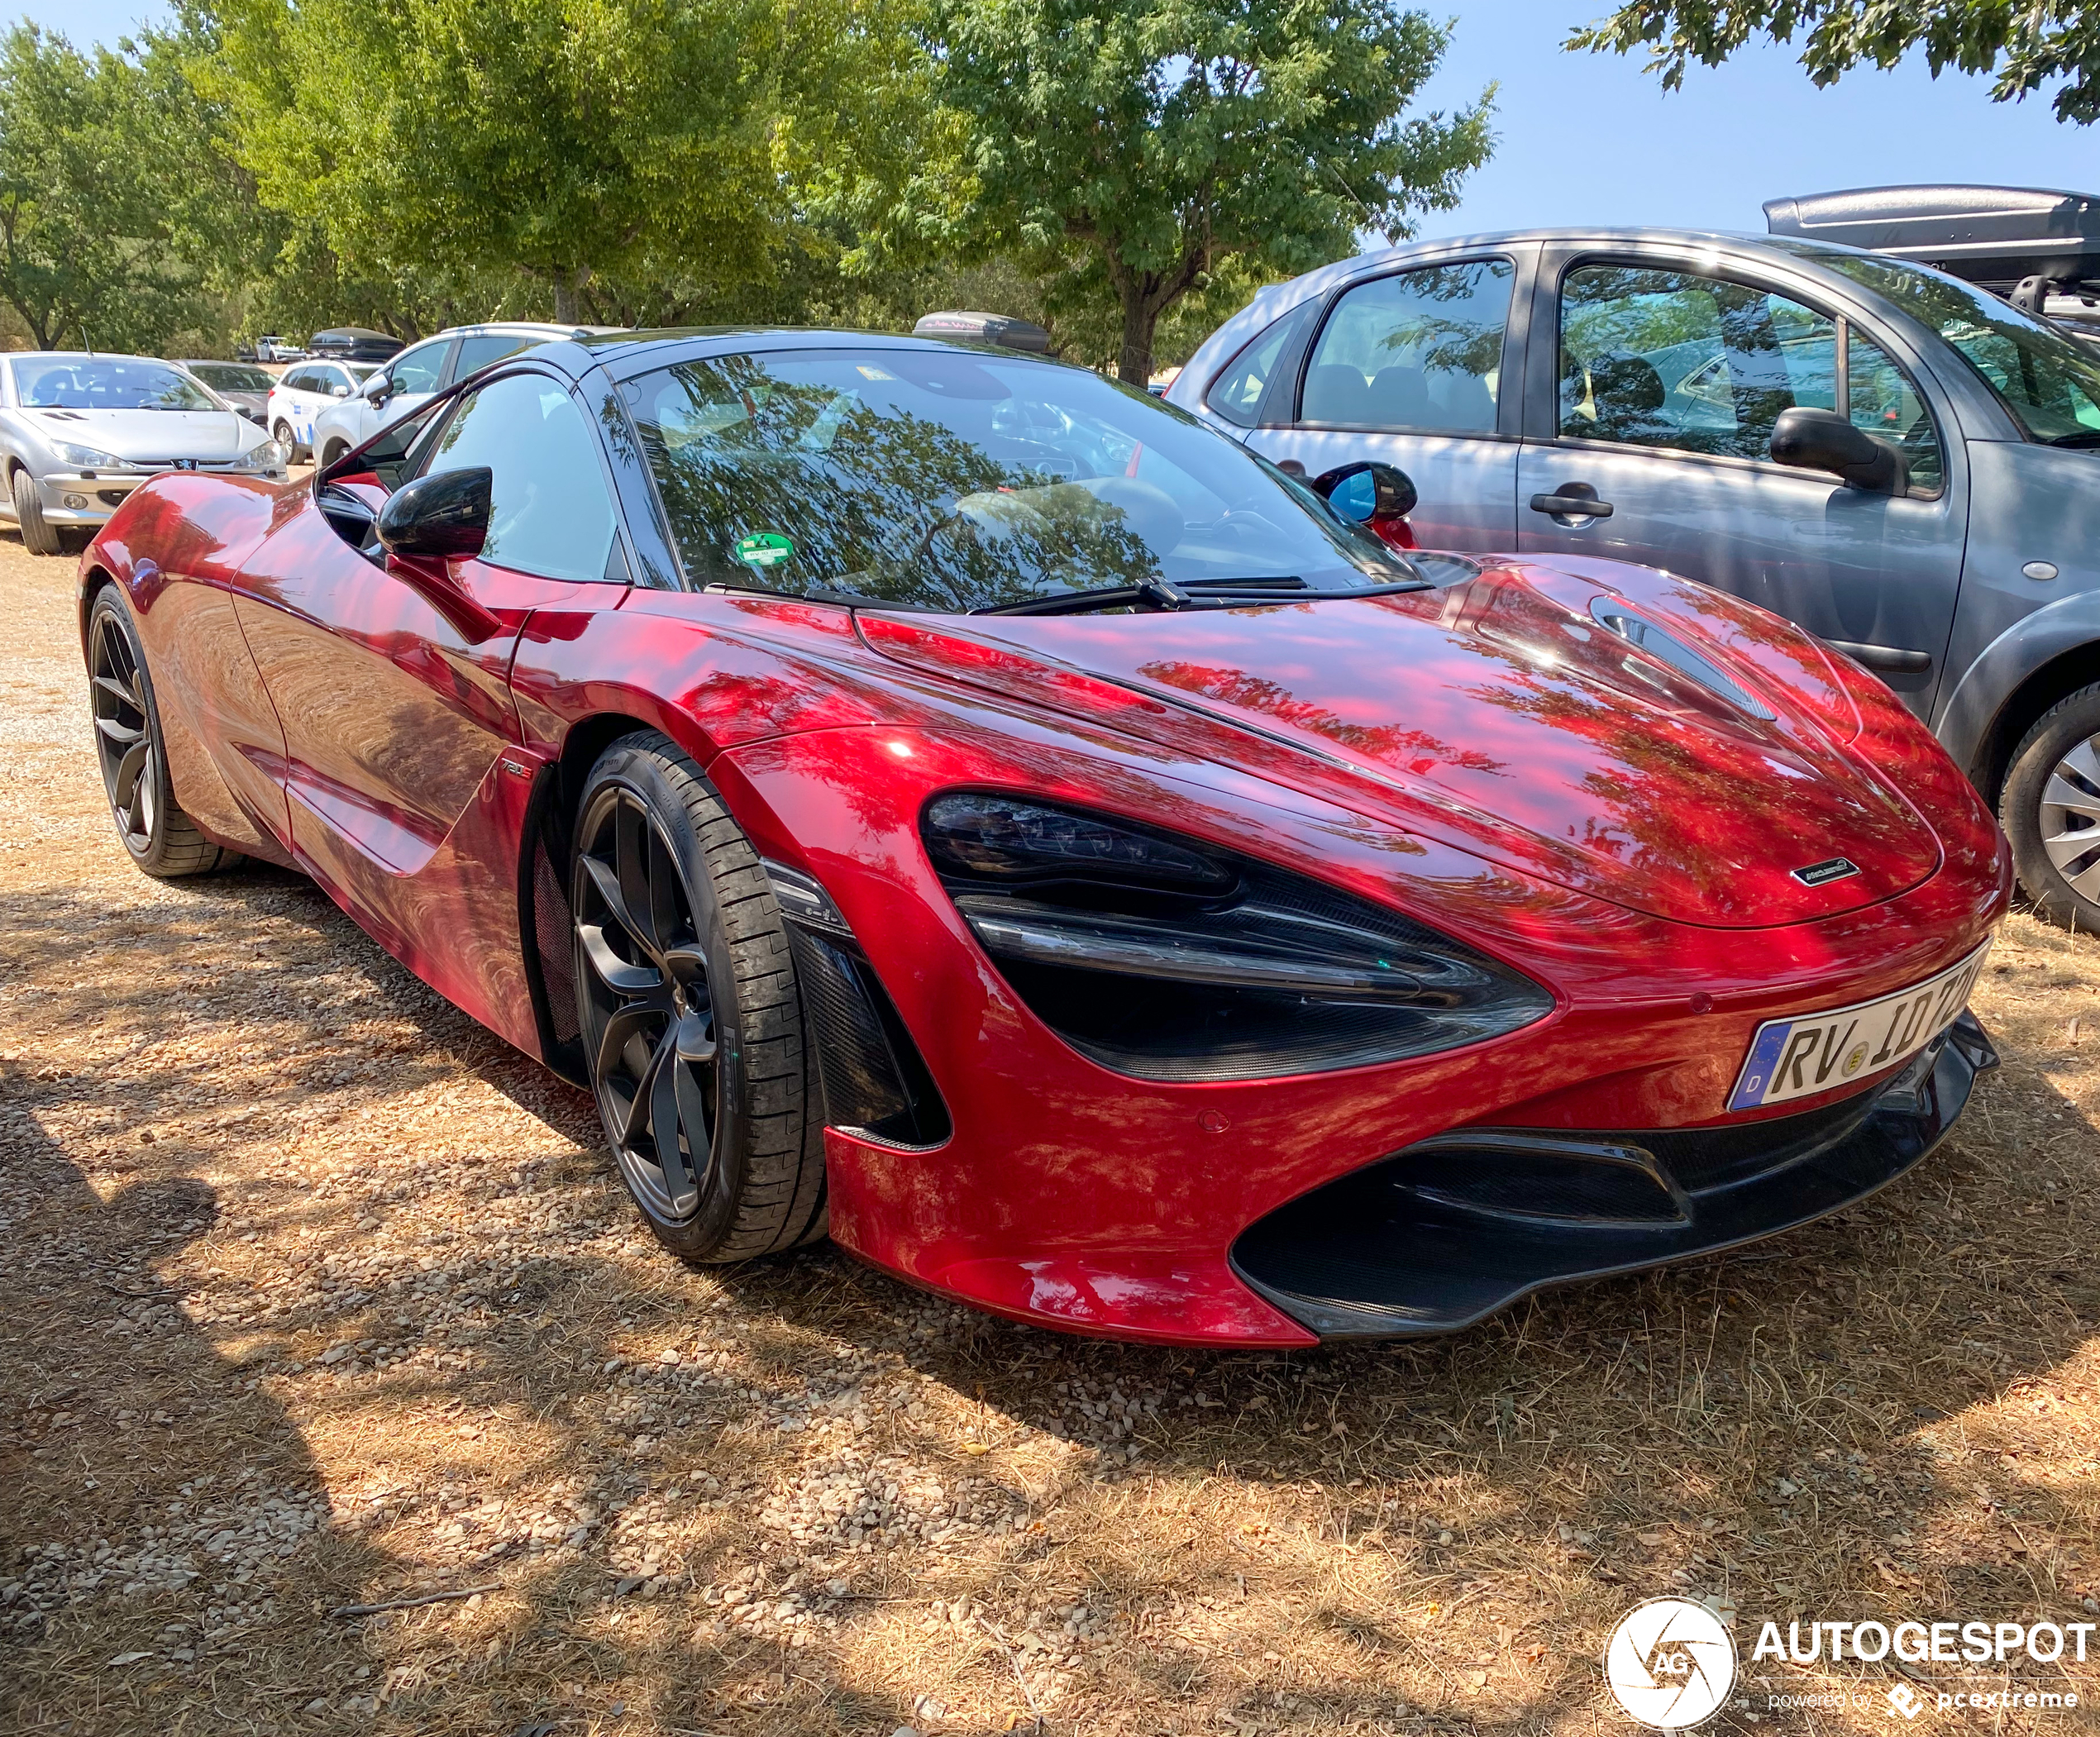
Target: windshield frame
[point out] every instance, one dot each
(1880, 276)
(711, 348)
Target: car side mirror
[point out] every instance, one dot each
(378, 388)
(1822, 439)
(1376, 496)
(438, 517)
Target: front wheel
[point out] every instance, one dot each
(686, 993)
(39, 536)
(2051, 810)
(161, 838)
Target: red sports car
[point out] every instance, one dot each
(940, 797)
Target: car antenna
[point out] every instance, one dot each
(87, 337)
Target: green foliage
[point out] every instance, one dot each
(2025, 43)
(1127, 150)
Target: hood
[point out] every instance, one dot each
(149, 435)
(1502, 714)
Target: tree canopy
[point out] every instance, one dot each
(1127, 148)
(2025, 44)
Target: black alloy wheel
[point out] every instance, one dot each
(161, 838)
(685, 998)
(2051, 810)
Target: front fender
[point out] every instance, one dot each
(2069, 624)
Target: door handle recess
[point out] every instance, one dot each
(1572, 500)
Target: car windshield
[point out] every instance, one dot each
(101, 383)
(2049, 384)
(955, 480)
(233, 376)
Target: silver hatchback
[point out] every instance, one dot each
(1902, 463)
(78, 432)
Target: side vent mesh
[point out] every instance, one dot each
(873, 1076)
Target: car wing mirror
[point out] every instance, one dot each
(378, 388)
(1821, 440)
(434, 520)
(1376, 496)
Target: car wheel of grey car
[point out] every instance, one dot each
(162, 840)
(38, 536)
(691, 1028)
(336, 450)
(2051, 811)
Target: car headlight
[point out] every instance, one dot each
(268, 458)
(85, 458)
(1169, 959)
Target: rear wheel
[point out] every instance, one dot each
(162, 840)
(38, 536)
(286, 439)
(2051, 810)
(686, 998)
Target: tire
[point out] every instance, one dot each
(162, 840)
(701, 1008)
(2051, 810)
(282, 435)
(38, 536)
(336, 450)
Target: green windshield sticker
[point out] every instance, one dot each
(767, 549)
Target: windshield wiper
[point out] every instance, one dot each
(1195, 593)
(2083, 437)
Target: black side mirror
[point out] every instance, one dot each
(1367, 492)
(1822, 439)
(436, 516)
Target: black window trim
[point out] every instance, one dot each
(1545, 384)
(1508, 410)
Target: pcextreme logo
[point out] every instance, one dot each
(1670, 1663)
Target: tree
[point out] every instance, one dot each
(2025, 43)
(85, 228)
(621, 140)
(1129, 148)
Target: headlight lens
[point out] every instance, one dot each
(270, 458)
(1170, 960)
(83, 458)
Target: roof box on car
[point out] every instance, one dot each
(1996, 236)
(356, 344)
(985, 328)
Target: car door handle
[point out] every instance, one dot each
(1572, 500)
(1882, 657)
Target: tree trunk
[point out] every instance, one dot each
(567, 302)
(1140, 320)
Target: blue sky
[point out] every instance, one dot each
(1593, 139)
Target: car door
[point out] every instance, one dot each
(1408, 367)
(1653, 386)
(403, 779)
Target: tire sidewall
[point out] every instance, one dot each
(2067, 723)
(650, 774)
(109, 602)
(37, 537)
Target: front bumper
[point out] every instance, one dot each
(90, 497)
(1449, 1230)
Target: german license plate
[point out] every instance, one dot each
(1794, 1059)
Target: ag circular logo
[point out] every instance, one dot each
(1670, 1663)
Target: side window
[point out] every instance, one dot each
(1236, 394)
(1421, 350)
(489, 346)
(299, 379)
(1880, 399)
(549, 513)
(418, 369)
(1668, 359)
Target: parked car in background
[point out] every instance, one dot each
(79, 432)
(304, 391)
(1900, 461)
(274, 349)
(354, 344)
(242, 385)
(395, 390)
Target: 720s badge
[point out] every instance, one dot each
(1794, 1058)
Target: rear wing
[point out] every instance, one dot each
(2025, 243)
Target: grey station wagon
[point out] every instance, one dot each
(1902, 463)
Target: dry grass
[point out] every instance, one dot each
(313, 1294)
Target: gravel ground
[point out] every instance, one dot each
(316, 1296)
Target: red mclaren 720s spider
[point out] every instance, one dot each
(939, 798)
